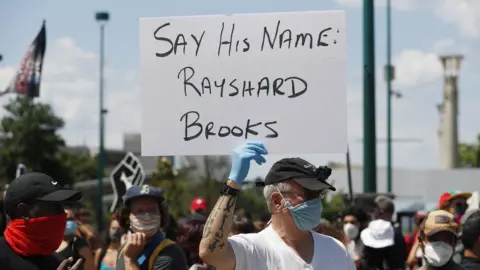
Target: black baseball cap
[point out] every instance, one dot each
(470, 226)
(32, 187)
(135, 192)
(301, 171)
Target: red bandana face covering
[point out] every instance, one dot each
(36, 236)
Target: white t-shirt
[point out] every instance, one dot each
(353, 250)
(267, 251)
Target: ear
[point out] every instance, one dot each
(23, 211)
(277, 201)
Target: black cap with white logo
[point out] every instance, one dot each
(33, 187)
(301, 171)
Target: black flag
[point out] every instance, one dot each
(28, 77)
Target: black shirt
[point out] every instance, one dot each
(471, 263)
(9, 260)
(76, 245)
(72, 250)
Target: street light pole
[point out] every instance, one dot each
(102, 18)
(369, 129)
(389, 70)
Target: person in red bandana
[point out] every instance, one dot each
(36, 224)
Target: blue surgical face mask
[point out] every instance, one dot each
(71, 227)
(306, 215)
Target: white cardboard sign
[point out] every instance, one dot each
(211, 82)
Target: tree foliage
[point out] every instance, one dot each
(29, 135)
(202, 177)
(81, 167)
(333, 206)
(469, 154)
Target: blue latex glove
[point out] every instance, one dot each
(241, 157)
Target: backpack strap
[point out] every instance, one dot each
(165, 243)
(120, 252)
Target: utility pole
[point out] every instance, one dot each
(369, 130)
(448, 109)
(102, 18)
(389, 77)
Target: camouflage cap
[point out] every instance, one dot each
(439, 221)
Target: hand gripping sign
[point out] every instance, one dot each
(129, 172)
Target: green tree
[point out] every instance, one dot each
(469, 154)
(334, 207)
(202, 177)
(174, 184)
(29, 135)
(80, 166)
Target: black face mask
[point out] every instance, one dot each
(115, 236)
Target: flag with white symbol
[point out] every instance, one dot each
(129, 172)
(21, 169)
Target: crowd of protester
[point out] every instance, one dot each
(45, 227)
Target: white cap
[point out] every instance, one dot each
(379, 234)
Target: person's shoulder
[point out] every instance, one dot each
(172, 249)
(328, 241)
(4, 248)
(171, 257)
(53, 260)
(251, 238)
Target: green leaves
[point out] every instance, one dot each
(29, 135)
(469, 154)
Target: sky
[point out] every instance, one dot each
(421, 31)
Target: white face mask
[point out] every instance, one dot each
(146, 223)
(351, 231)
(438, 253)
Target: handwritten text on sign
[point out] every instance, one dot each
(210, 82)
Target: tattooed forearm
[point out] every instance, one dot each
(218, 224)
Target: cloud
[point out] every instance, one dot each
(414, 67)
(70, 85)
(444, 46)
(396, 4)
(465, 14)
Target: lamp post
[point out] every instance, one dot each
(369, 134)
(389, 77)
(449, 112)
(102, 18)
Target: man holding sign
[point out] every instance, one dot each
(293, 189)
